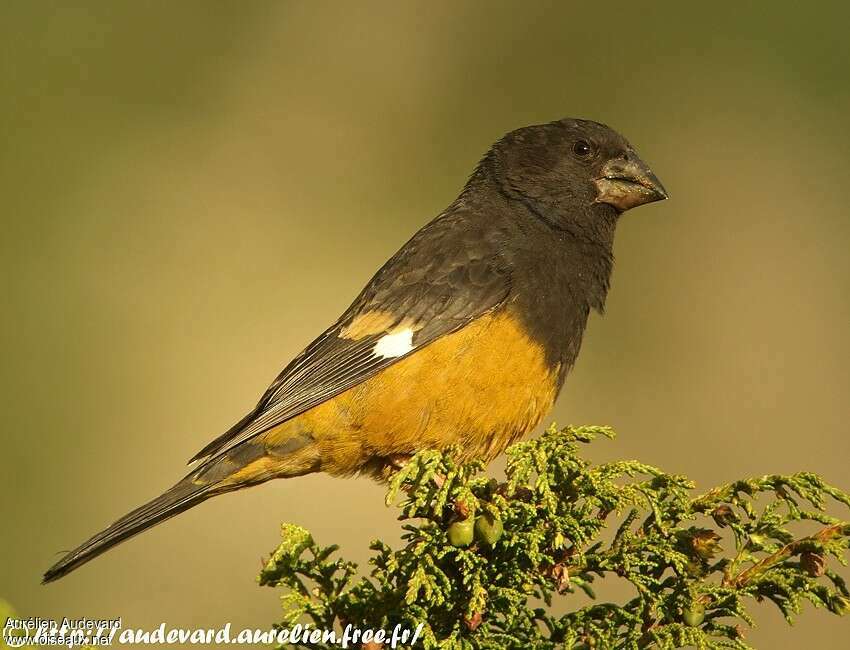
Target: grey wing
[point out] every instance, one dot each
(449, 273)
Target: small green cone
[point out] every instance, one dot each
(460, 533)
(488, 529)
(694, 614)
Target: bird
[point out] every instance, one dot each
(463, 338)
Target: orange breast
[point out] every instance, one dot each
(481, 387)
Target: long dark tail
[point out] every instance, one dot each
(250, 463)
(181, 497)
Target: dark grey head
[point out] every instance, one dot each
(573, 171)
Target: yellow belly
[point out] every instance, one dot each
(481, 388)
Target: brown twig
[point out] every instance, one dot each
(792, 548)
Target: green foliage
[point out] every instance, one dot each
(552, 512)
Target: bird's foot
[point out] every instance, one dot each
(399, 461)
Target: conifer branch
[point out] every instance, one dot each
(484, 561)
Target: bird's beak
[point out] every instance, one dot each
(627, 182)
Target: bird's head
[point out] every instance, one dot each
(572, 171)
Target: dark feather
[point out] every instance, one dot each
(181, 497)
(445, 276)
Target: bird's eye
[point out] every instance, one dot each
(581, 148)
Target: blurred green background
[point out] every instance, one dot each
(192, 190)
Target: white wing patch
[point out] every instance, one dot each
(395, 344)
